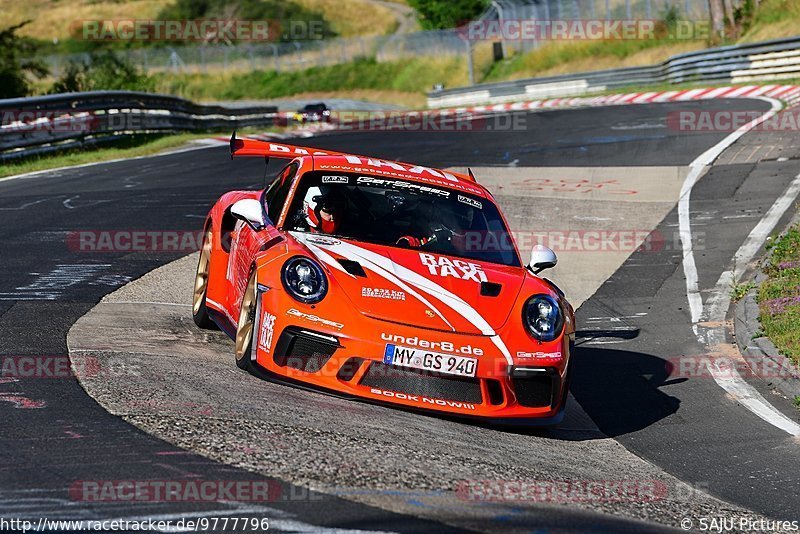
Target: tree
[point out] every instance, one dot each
(13, 69)
(717, 12)
(105, 72)
(440, 14)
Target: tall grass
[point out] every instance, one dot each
(411, 75)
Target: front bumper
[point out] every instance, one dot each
(349, 362)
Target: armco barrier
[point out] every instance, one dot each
(55, 122)
(768, 61)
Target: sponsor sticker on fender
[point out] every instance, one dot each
(266, 332)
(381, 293)
(314, 318)
(463, 270)
(540, 355)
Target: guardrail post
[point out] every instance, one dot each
(470, 65)
(277, 57)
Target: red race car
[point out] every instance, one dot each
(387, 282)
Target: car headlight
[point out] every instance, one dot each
(543, 318)
(304, 280)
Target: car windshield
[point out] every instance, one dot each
(406, 214)
(314, 107)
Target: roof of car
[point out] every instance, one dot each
(395, 169)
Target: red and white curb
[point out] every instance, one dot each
(790, 94)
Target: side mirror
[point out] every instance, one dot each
(249, 210)
(542, 258)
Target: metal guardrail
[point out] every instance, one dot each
(49, 123)
(768, 61)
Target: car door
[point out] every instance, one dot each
(247, 243)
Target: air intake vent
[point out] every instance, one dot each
(490, 289)
(304, 350)
(535, 389)
(349, 369)
(353, 267)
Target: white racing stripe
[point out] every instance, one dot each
(717, 305)
(329, 260)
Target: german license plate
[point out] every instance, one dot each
(429, 361)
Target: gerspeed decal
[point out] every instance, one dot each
(400, 184)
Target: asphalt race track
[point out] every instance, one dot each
(55, 435)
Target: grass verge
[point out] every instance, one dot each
(415, 75)
(779, 295)
(130, 147)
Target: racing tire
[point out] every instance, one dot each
(199, 310)
(245, 325)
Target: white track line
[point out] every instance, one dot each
(719, 302)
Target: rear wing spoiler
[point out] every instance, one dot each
(268, 149)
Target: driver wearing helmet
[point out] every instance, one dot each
(446, 228)
(323, 210)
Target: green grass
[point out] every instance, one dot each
(740, 290)
(797, 401)
(779, 295)
(554, 55)
(410, 75)
(130, 147)
(774, 19)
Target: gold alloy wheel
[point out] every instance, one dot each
(244, 328)
(201, 279)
